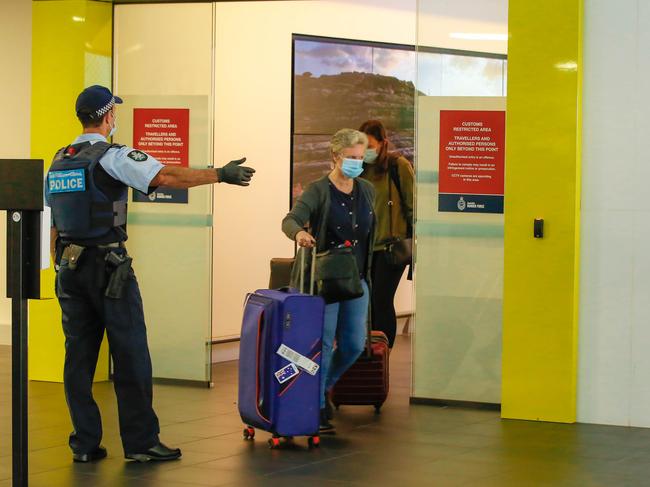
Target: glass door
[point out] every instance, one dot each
(163, 71)
(459, 224)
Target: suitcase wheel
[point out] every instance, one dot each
(377, 409)
(274, 443)
(249, 433)
(314, 441)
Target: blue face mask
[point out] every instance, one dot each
(352, 168)
(371, 156)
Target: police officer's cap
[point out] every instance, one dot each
(95, 101)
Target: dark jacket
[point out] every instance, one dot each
(312, 209)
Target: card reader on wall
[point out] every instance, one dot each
(538, 228)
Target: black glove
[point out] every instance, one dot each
(235, 173)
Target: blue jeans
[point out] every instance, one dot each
(347, 322)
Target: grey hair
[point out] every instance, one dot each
(346, 138)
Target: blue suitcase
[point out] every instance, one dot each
(281, 393)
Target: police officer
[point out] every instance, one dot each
(87, 188)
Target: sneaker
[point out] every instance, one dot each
(325, 425)
(329, 406)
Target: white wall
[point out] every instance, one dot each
(614, 369)
(15, 95)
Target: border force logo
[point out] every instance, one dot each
(462, 204)
(137, 156)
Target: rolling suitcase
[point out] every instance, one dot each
(279, 364)
(367, 381)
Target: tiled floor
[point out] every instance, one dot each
(405, 446)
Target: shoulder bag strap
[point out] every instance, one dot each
(394, 176)
(390, 199)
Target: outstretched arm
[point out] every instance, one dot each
(182, 177)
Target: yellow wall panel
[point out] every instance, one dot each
(71, 42)
(542, 181)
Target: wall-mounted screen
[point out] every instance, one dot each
(341, 83)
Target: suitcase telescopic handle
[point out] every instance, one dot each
(369, 325)
(312, 274)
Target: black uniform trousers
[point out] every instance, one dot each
(86, 314)
(385, 280)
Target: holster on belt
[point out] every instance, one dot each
(71, 254)
(119, 266)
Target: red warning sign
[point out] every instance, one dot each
(163, 133)
(472, 152)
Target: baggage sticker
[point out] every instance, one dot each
(301, 361)
(286, 373)
(72, 181)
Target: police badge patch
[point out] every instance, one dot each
(138, 156)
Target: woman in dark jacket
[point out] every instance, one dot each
(338, 209)
(393, 177)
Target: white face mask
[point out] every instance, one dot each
(113, 128)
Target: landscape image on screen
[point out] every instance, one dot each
(341, 84)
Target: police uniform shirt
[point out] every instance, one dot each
(132, 167)
(122, 165)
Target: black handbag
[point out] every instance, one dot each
(398, 251)
(337, 275)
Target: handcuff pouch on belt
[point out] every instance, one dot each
(120, 265)
(72, 254)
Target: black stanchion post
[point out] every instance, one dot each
(21, 194)
(15, 227)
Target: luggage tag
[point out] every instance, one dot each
(301, 361)
(286, 373)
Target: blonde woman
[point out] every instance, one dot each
(339, 211)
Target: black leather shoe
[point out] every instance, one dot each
(158, 453)
(97, 454)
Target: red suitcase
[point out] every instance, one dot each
(366, 382)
